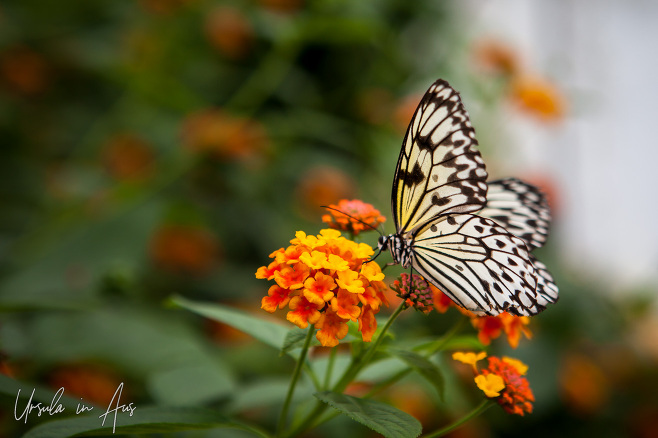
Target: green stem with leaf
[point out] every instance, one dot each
(358, 363)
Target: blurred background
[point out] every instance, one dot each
(159, 147)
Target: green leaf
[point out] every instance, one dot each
(295, 339)
(268, 332)
(144, 420)
(424, 367)
(380, 417)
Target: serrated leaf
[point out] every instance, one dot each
(378, 416)
(144, 420)
(268, 332)
(424, 367)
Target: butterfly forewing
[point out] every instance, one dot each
(439, 170)
(478, 264)
(520, 208)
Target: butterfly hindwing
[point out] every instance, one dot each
(547, 291)
(478, 264)
(520, 208)
(439, 170)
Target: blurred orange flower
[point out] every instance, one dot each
(184, 249)
(128, 157)
(442, 302)
(584, 385)
(229, 31)
(405, 111)
(225, 136)
(94, 383)
(413, 399)
(496, 57)
(353, 216)
(325, 284)
(491, 327)
(538, 97)
(24, 71)
(323, 185)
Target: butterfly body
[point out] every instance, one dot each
(449, 231)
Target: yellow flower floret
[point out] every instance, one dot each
(469, 358)
(517, 364)
(490, 384)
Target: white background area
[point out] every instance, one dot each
(604, 157)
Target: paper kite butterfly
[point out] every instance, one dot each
(470, 239)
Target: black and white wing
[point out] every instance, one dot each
(479, 265)
(520, 208)
(439, 170)
(547, 290)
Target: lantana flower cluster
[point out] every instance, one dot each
(325, 280)
(353, 216)
(502, 380)
(488, 327)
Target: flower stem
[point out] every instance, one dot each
(314, 416)
(360, 362)
(330, 368)
(486, 404)
(295, 377)
(433, 348)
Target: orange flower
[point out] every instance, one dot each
(94, 383)
(324, 281)
(184, 249)
(584, 385)
(332, 328)
(229, 31)
(277, 297)
(516, 397)
(491, 327)
(442, 302)
(322, 185)
(318, 290)
(128, 157)
(267, 272)
(353, 216)
(345, 305)
(303, 312)
(367, 323)
(502, 381)
(538, 97)
(224, 136)
(496, 57)
(24, 71)
(291, 277)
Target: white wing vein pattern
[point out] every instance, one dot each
(478, 265)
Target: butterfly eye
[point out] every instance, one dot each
(382, 243)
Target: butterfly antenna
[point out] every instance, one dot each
(352, 217)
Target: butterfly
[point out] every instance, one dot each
(469, 238)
